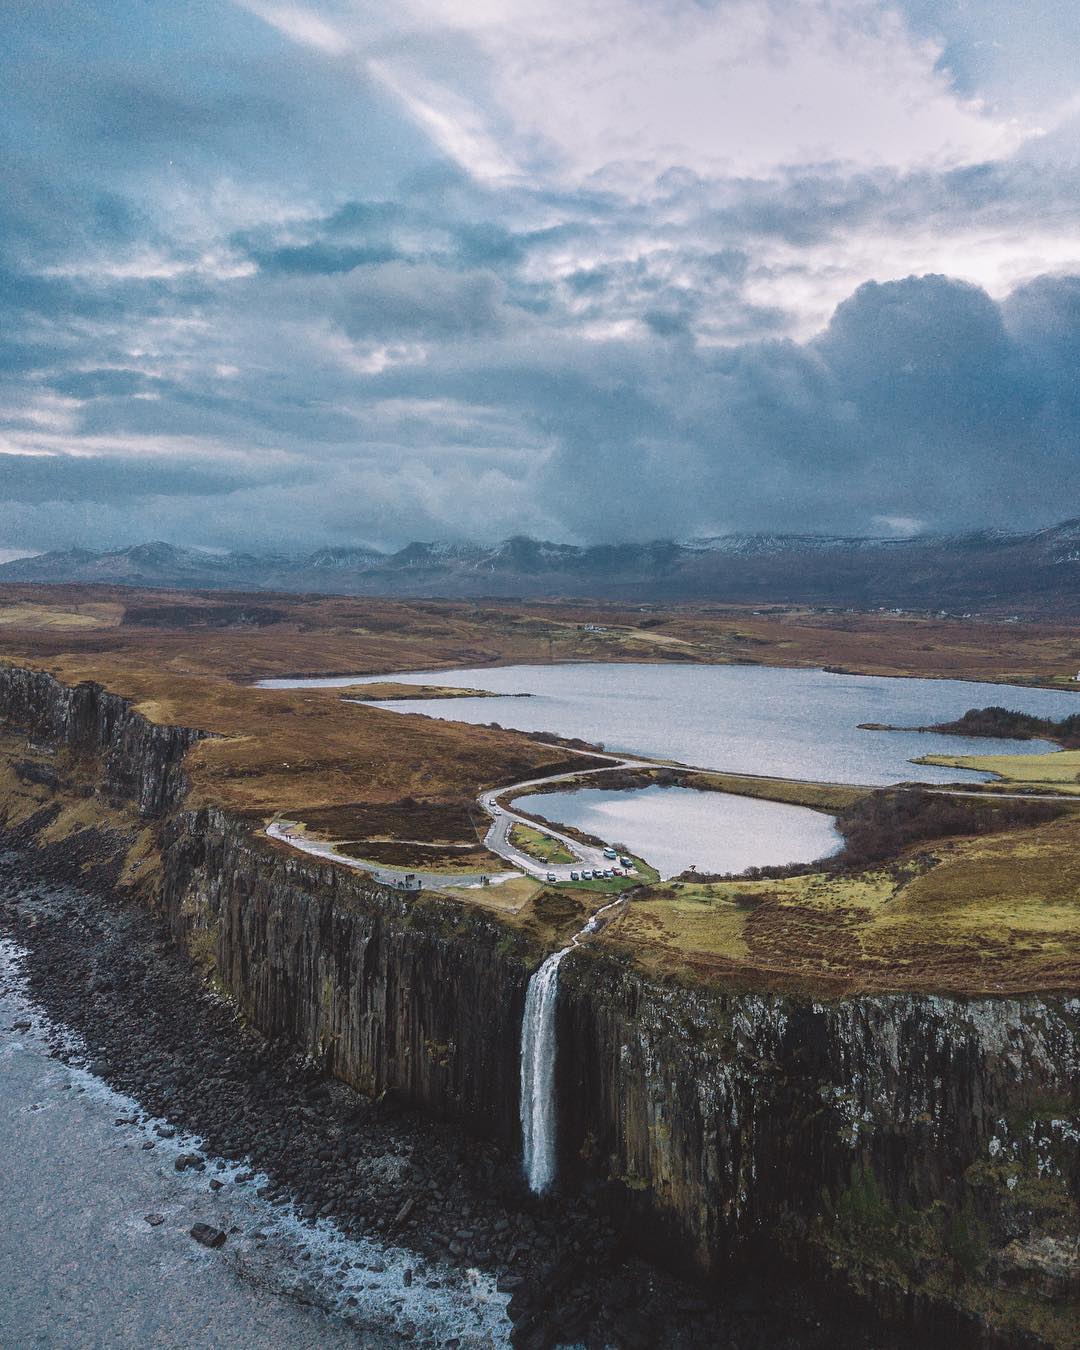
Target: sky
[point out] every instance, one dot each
(279, 275)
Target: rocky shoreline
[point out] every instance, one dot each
(813, 1163)
(156, 1030)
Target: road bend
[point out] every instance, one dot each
(588, 857)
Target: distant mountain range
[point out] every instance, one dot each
(989, 571)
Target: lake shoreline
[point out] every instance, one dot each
(653, 832)
(754, 720)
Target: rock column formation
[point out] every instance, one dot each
(926, 1147)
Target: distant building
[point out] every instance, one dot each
(592, 628)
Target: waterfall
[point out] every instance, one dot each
(538, 1046)
(538, 1074)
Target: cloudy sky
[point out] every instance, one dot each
(276, 274)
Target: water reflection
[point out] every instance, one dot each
(674, 828)
(746, 719)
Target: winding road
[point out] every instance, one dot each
(504, 818)
(497, 839)
(586, 856)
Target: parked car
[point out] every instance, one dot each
(552, 877)
(626, 862)
(610, 853)
(586, 874)
(496, 811)
(607, 872)
(616, 871)
(575, 876)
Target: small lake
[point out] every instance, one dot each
(746, 719)
(675, 828)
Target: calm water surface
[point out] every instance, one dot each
(675, 828)
(80, 1266)
(748, 719)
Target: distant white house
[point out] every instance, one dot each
(592, 628)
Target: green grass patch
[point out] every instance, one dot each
(644, 875)
(539, 845)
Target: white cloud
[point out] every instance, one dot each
(624, 89)
(302, 25)
(451, 121)
(148, 264)
(811, 280)
(904, 526)
(365, 358)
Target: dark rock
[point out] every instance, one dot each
(633, 1332)
(27, 771)
(404, 1212)
(208, 1235)
(154, 1220)
(178, 1052)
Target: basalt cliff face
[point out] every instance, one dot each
(928, 1146)
(390, 993)
(134, 759)
(925, 1150)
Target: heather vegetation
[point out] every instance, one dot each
(881, 826)
(1006, 724)
(967, 894)
(884, 824)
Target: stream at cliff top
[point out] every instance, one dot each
(539, 1046)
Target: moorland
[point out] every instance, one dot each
(977, 900)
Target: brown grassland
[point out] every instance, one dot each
(999, 913)
(994, 915)
(386, 691)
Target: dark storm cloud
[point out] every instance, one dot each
(416, 300)
(915, 401)
(261, 303)
(69, 478)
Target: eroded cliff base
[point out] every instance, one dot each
(912, 1156)
(158, 1030)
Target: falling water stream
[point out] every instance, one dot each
(538, 1047)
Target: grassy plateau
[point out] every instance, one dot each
(975, 910)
